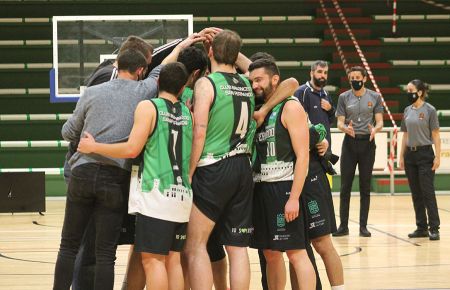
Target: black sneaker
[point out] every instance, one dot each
(363, 232)
(434, 235)
(341, 231)
(419, 233)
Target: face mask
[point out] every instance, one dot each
(412, 97)
(357, 85)
(320, 82)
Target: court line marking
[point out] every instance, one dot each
(387, 233)
(24, 260)
(43, 225)
(444, 209)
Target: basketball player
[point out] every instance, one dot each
(163, 203)
(282, 145)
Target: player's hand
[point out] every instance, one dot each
(322, 147)
(372, 132)
(209, 33)
(402, 162)
(436, 163)
(349, 130)
(87, 143)
(325, 104)
(190, 40)
(259, 117)
(291, 209)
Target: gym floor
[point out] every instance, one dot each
(388, 260)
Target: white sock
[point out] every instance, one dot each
(340, 287)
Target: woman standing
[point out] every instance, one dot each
(420, 127)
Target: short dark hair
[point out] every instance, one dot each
(173, 77)
(421, 86)
(193, 58)
(130, 60)
(137, 43)
(261, 55)
(318, 63)
(226, 46)
(270, 66)
(358, 68)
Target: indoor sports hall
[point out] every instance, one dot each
(48, 48)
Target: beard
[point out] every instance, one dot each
(267, 91)
(320, 82)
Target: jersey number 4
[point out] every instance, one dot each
(242, 126)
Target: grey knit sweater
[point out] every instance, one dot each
(107, 112)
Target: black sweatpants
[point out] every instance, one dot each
(356, 151)
(418, 166)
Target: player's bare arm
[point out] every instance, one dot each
(295, 121)
(203, 96)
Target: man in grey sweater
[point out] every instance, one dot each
(98, 185)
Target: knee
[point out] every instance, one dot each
(272, 256)
(297, 256)
(323, 245)
(149, 260)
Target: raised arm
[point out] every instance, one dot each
(144, 123)
(190, 40)
(295, 121)
(203, 97)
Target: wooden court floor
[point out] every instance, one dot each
(387, 260)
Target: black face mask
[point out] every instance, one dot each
(320, 82)
(412, 97)
(357, 85)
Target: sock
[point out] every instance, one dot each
(340, 287)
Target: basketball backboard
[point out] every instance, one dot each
(79, 42)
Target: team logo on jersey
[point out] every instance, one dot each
(313, 207)
(369, 104)
(281, 222)
(235, 80)
(421, 116)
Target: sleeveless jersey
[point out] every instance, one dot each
(275, 157)
(231, 127)
(165, 192)
(186, 95)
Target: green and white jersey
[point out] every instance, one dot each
(275, 156)
(231, 127)
(186, 95)
(164, 189)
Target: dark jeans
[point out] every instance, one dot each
(97, 191)
(418, 166)
(356, 151)
(84, 269)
